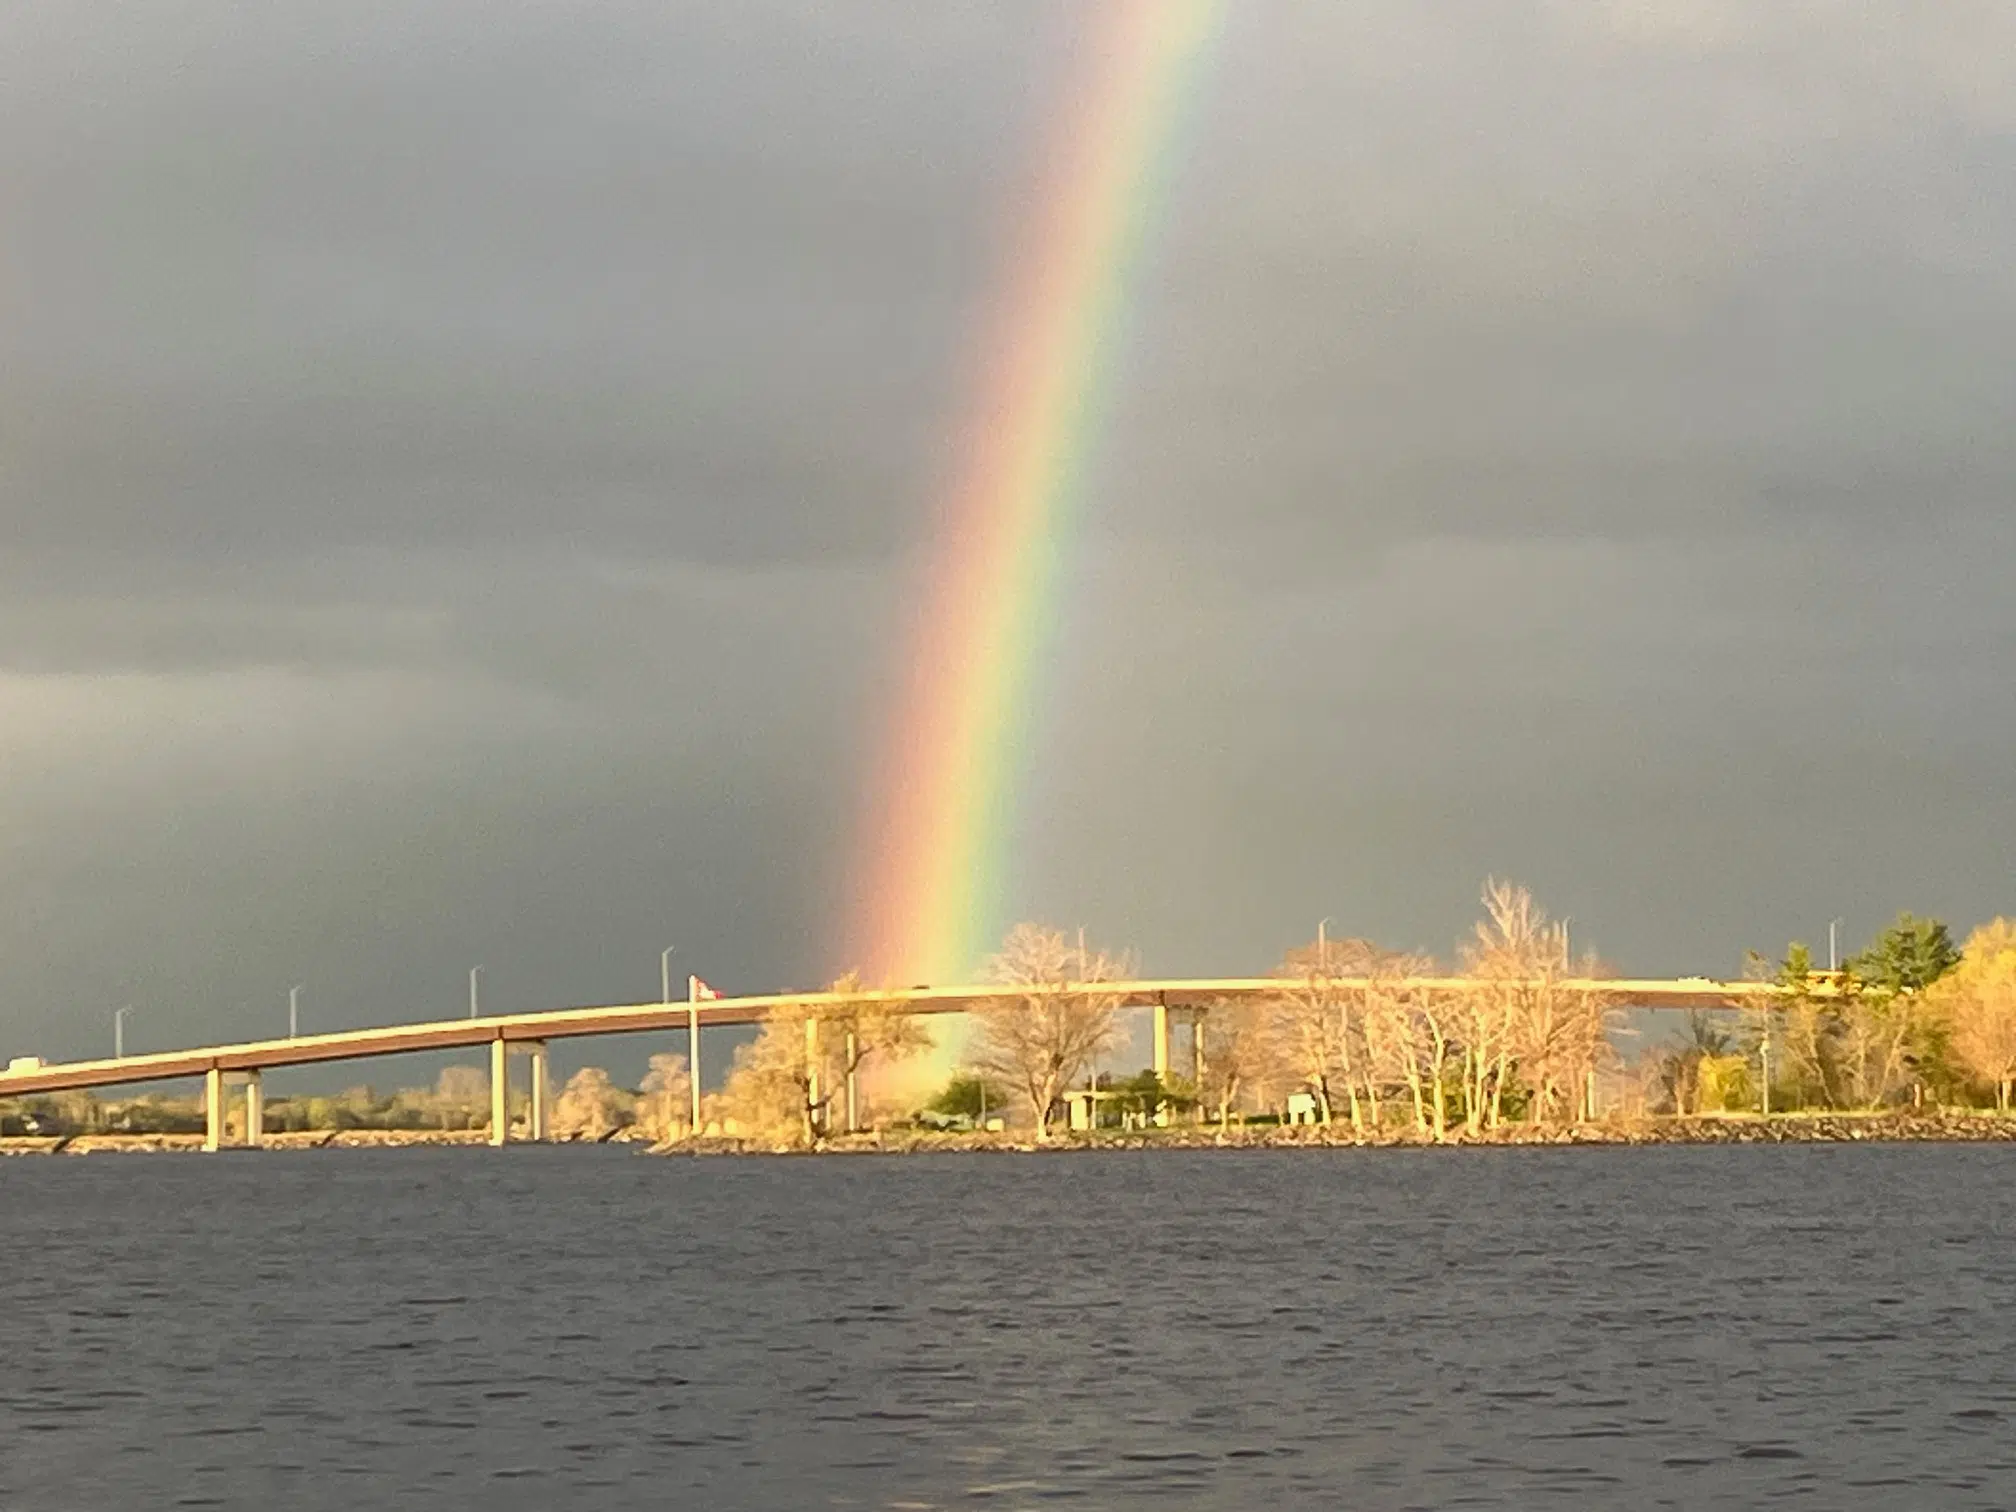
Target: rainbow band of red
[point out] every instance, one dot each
(943, 831)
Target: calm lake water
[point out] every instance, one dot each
(1815, 1327)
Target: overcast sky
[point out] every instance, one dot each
(462, 469)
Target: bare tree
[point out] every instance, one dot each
(460, 1094)
(1860, 1044)
(1807, 1037)
(1417, 1030)
(1508, 940)
(1526, 1018)
(1311, 1021)
(1978, 1000)
(590, 1106)
(1231, 1047)
(1306, 1046)
(1041, 1041)
(1876, 1035)
(809, 1050)
(1333, 1029)
(764, 1095)
(1399, 1041)
(665, 1097)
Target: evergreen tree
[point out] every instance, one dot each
(1909, 956)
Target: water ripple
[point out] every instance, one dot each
(1384, 1330)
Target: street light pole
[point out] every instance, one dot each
(293, 1013)
(1833, 953)
(665, 973)
(474, 973)
(119, 1032)
(1323, 944)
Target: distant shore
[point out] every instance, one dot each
(1800, 1128)
(1722, 1129)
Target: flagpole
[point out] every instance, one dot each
(693, 1046)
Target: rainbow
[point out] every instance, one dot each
(944, 813)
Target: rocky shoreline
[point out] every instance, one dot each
(1841, 1128)
(1837, 1128)
(188, 1144)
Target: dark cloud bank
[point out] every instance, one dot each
(462, 473)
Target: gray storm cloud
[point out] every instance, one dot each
(462, 474)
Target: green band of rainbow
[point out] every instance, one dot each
(943, 830)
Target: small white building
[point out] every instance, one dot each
(1081, 1104)
(1301, 1107)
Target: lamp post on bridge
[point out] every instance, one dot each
(474, 973)
(294, 1012)
(119, 1032)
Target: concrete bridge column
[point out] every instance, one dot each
(500, 1092)
(1162, 1055)
(255, 1111)
(213, 1109)
(542, 1094)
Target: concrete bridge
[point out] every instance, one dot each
(527, 1034)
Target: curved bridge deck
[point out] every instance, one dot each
(572, 1023)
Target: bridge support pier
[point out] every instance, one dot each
(213, 1109)
(1191, 1019)
(1164, 1017)
(217, 1107)
(255, 1111)
(500, 1092)
(539, 1108)
(539, 1105)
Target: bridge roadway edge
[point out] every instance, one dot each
(645, 1018)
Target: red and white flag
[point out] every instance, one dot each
(699, 992)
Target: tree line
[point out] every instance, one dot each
(1353, 1030)
(1913, 1018)
(1522, 1041)
(1355, 1036)
(1526, 1034)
